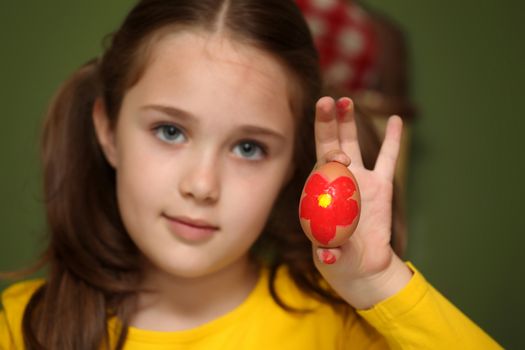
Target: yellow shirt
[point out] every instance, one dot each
(417, 317)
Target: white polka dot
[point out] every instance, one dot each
(338, 73)
(351, 42)
(317, 25)
(324, 4)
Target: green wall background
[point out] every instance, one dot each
(465, 194)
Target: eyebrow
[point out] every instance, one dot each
(173, 112)
(259, 131)
(244, 129)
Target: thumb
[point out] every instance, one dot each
(327, 256)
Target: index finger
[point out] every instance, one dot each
(326, 129)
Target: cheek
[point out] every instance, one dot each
(142, 168)
(133, 197)
(250, 197)
(139, 187)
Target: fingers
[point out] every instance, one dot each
(328, 256)
(336, 155)
(348, 130)
(326, 135)
(336, 132)
(337, 140)
(386, 161)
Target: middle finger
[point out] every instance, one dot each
(348, 130)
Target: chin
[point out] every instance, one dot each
(189, 267)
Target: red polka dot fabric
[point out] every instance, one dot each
(346, 42)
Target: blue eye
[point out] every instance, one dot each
(250, 150)
(170, 134)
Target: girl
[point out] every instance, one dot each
(173, 167)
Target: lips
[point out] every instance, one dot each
(189, 229)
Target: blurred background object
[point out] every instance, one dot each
(465, 188)
(460, 64)
(363, 55)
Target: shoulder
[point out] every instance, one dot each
(297, 298)
(290, 293)
(14, 300)
(17, 295)
(322, 324)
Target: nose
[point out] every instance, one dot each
(201, 181)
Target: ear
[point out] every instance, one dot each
(104, 131)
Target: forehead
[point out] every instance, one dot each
(193, 68)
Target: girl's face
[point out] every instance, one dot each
(202, 147)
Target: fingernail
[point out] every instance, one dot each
(342, 107)
(343, 104)
(327, 257)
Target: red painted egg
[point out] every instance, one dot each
(330, 205)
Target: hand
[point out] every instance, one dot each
(365, 269)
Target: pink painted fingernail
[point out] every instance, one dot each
(342, 107)
(343, 104)
(327, 257)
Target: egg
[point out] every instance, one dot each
(330, 205)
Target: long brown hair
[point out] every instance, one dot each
(92, 263)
